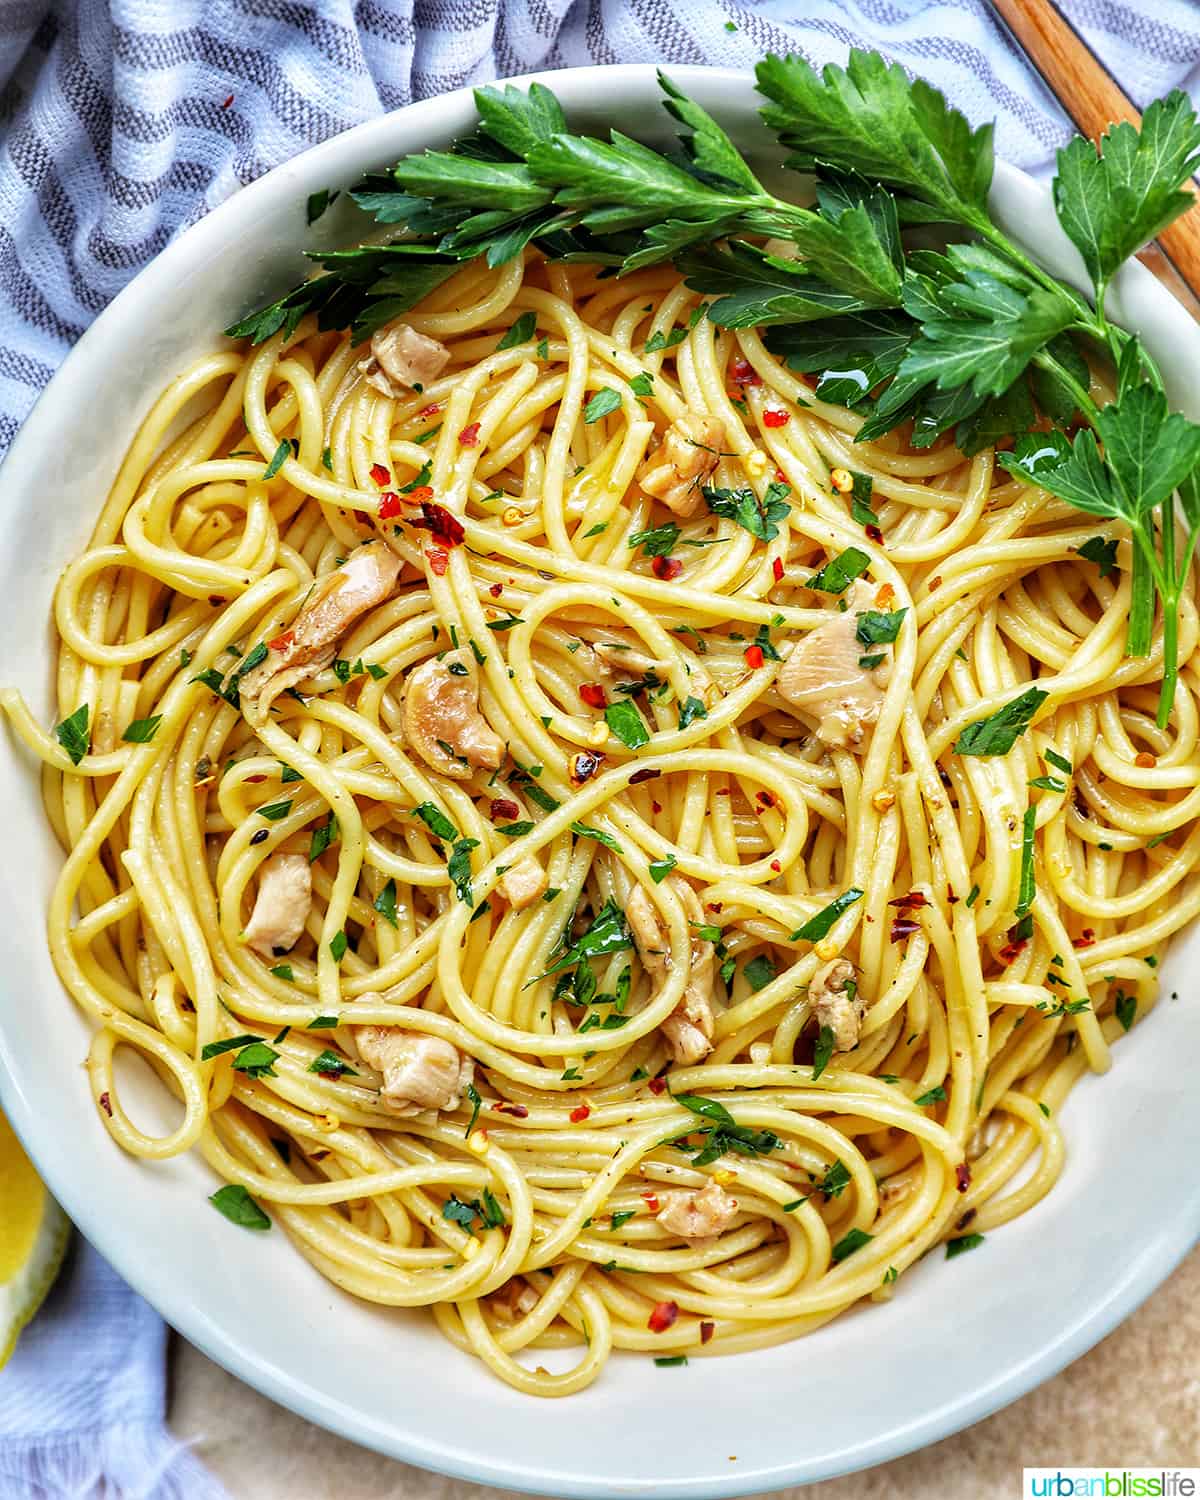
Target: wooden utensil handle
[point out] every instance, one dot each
(1093, 99)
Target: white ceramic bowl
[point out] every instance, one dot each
(959, 1340)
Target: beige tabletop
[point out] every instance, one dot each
(1134, 1400)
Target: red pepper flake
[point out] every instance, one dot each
(754, 656)
(504, 807)
(651, 1201)
(647, 773)
(381, 475)
(469, 436)
(282, 642)
(875, 535)
(518, 1111)
(657, 1085)
(439, 560)
(742, 372)
(579, 1113)
(496, 589)
(780, 475)
(777, 569)
(914, 898)
(774, 418)
(254, 780)
(431, 410)
(662, 1317)
(962, 1176)
(776, 866)
(106, 1104)
(584, 765)
(666, 568)
(228, 102)
(389, 505)
(706, 1331)
(1085, 939)
(215, 599)
(446, 528)
(1011, 951)
(593, 694)
(656, 807)
(904, 927)
(714, 906)
(765, 798)
(951, 898)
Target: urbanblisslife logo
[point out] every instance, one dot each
(1113, 1484)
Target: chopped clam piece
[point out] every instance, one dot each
(698, 1216)
(515, 1299)
(419, 1072)
(689, 1027)
(627, 659)
(833, 994)
(442, 721)
(282, 905)
(402, 359)
(523, 883)
(687, 455)
(822, 676)
(365, 579)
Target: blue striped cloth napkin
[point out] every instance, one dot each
(122, 123)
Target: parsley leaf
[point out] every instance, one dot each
(239, 1207)
(329, 1064)
(142, 731)
(1103, 552)
(852, 1240)
(1111, 203)
(385, 903)
(581, 830)
(840, 572)
(627, 724)
(690, 710)
(999, 732)
(870, 118)
(520, 332)
(759, 972)
(822, 1051)
(607, 933)
(73, 734)
(604, 402)
(436, 821)
(657, 541)
(821, 922)
(322, 837)
(756, 516)
(876, 628)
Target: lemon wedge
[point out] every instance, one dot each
(33, 1240)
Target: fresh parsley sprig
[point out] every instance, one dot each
(975, 339)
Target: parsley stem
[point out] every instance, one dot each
(1083, 398)
(1170, 603)
(1141, 599)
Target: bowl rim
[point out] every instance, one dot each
(1047, 1355)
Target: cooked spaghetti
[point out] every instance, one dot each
(583, 840)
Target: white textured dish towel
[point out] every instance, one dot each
(122, 123)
